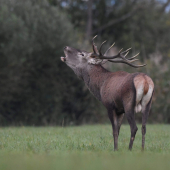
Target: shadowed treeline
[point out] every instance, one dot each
(36, 88)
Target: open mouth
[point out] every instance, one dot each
(63, 59)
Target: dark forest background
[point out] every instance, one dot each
(36, 88)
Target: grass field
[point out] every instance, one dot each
(82, 148)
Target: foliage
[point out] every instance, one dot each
(36, 88)
(83, 147)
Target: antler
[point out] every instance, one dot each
(121, 55)
(95, 50)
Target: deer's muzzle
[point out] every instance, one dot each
(63, 59)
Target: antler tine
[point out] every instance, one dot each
(101, 48)
(133, 56)
(94, 46)
(126, 54)
(120, 51)
(109, 48)
(94, 37)
(126, 50)
(128, 63)
(131, 61)
(120, 54)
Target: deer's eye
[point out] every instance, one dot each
(81, 54)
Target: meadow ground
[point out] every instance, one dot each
(82, 148)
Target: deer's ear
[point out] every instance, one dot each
(92, 55)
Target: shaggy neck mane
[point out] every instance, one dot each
(94, 76)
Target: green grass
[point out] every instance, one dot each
(83, 148)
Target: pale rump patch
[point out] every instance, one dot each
(148, 95)
(144, 89)
(139, 83)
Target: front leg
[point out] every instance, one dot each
(114, 121)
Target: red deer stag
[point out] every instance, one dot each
(120, 92)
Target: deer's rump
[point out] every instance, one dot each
(144, 89)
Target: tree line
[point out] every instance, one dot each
(36, 88)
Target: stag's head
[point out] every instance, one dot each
(77, 58)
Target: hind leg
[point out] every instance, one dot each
(145, 114)
(133, 127)
(131, 119)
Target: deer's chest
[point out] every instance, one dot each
(111, 96)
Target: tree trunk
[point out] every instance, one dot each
(89, 19)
